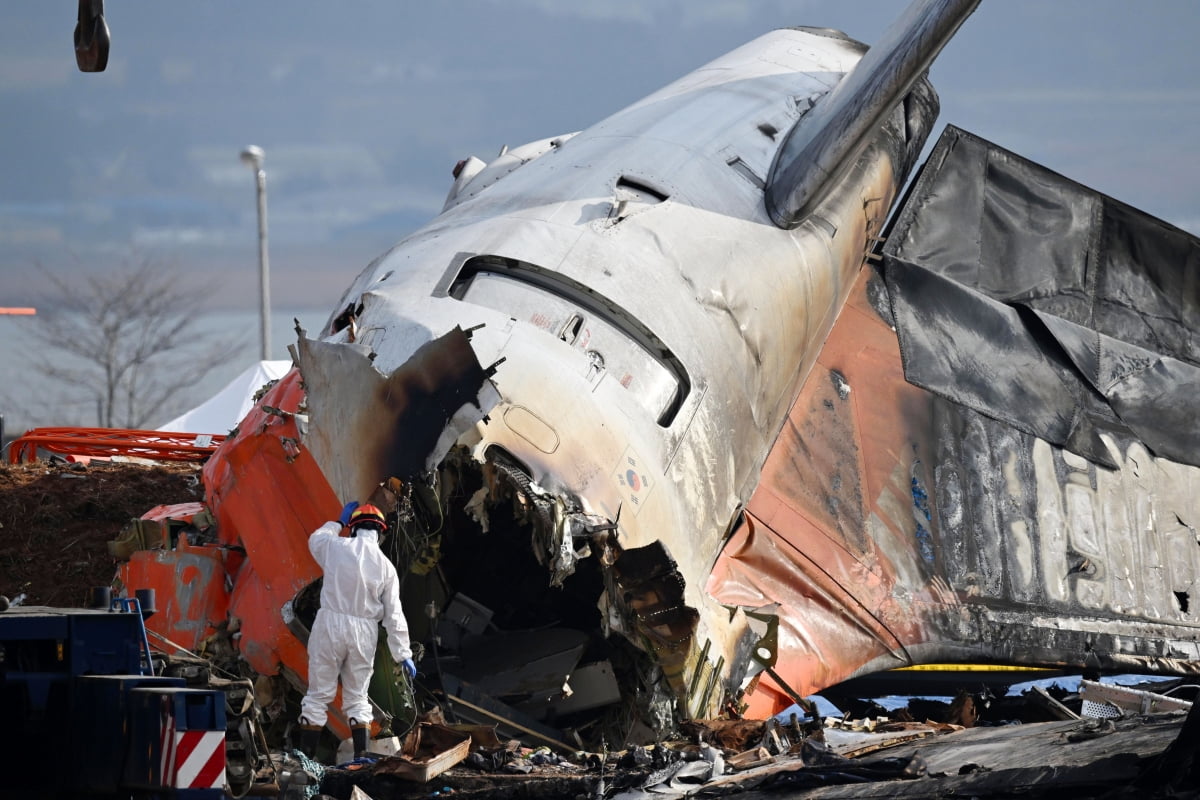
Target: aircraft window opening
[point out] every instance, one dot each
(371, 337)
(346, 318)
(614, 341)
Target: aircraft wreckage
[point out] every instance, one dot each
(667, 433)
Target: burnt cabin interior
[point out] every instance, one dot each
(442, 552)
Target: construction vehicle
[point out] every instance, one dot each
(92, 711)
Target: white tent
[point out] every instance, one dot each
(224, 410)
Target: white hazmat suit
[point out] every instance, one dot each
(360, 590)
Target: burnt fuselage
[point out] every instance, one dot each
(650, 324)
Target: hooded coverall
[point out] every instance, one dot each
(360, 590)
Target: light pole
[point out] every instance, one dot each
(253, 157)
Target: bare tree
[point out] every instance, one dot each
(131, 340)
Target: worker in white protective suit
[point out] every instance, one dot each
(360, 590)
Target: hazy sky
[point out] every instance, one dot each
(364, 107)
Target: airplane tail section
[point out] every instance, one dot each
(827, 141)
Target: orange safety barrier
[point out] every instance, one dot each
(110, 442)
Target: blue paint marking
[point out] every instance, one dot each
(921, 509)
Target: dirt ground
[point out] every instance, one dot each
(56, 521)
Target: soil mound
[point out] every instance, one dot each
(56, 520)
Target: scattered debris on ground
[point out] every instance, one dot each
(1125, 756)
(56, 520)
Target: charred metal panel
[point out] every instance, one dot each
(835, 534)
(821, 625)
(1047, 305)
(652, 588)
(979, 542)
(1106, 557)
(832, 493)
(396, 425)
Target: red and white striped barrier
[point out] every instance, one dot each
(190, 759)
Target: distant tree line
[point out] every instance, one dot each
(129, 340)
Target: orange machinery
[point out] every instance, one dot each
(82, 443)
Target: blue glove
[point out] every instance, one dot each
(410, 668)
(347, 511)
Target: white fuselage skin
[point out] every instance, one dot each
(743, 305)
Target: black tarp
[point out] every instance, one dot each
(1046, 305)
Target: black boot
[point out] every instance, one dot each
(359, 734)
(310, 737)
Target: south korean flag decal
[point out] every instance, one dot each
(633, 479)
